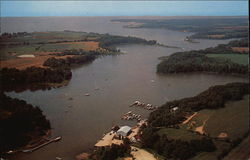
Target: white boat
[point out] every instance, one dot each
(57, 139)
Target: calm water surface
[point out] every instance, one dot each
(121, 80)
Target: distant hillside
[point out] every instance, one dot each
(208, 28)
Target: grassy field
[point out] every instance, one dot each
(7, 52)
(233, 119)
(182, 134)
(36, 42)
(46, 37)
(206, 156)
(237, 58)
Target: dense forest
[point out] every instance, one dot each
(108, 41)
(208, 28)
(198, 61)
(18, 121)
(213, 98)
(244, 42)
(11, 77)
(69, 61)
(194, 61)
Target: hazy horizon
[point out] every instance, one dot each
(123, 8)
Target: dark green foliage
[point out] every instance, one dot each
(11, 35)
(55, 62)
(69, 61)
(79, 52)
(108, 41)
(17, 121)
(239, 43)
(149, 137)
(212, 98)
(195, 61)
(11, 77)
(175, 149)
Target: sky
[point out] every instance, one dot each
(123, 8)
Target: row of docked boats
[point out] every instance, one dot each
(144, 105)
(131, 116)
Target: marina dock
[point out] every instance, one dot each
(42, 145)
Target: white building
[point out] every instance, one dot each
(123, 131)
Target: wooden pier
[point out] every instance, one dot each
(42, 145)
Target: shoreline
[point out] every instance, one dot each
(110, 138)
(205, 72)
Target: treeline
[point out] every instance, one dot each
(195, 61)
(79, 57)
(174, 149)
(69, 61)
(108, 41)
(11, 35)
(213, 98)
(11, 77)
(244, 42)
(18, 122)
(221, 34)
(226, 48)
(78, 52)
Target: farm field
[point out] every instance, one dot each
(231, 120)
(228, 122)
(182, 134)
(33, 49)
(240, 49)
(37, 42)
(237, 58)
(23, 63)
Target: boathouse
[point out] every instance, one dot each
(123, 131)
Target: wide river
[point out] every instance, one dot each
(121, 80)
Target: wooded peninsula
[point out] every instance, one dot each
(207, 60)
